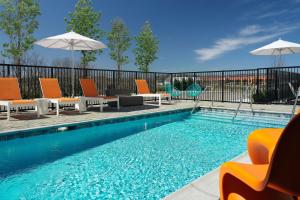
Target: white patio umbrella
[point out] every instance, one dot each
(277, 48)
(71, 41)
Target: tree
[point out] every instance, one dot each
(34, 59)
(119, 42)
(65, 62)
(183, 84)
(177, 84)
(18, 21)
(189, 82)
(147, 47)
(85, 21)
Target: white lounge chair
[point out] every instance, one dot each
(52, 92)
(91, 94)
(144, 91)
(10, 96)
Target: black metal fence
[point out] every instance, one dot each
(271, 84)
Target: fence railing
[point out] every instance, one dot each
(271, 84)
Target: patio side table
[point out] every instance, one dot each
(82, 104)
(43, 104)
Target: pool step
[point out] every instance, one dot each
(243, 115)
(258, 119)
(193, 122)
(241, 119)
(246, 114)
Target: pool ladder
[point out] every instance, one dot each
(241, 101)
(198, 100)
(296, 98)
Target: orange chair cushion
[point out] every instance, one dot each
(66, 100)
(9, 89)
(50, 88)
(18, 102)
(142, 86)
(88, 88)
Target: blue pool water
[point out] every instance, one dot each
(142, 159)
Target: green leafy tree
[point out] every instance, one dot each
(147, 47)
(189, 82)
(183, 84)
(119, 42)
(86, 21)
(18, 21)
(177, 84)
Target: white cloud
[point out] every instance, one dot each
(280, 9)
(248, 35)
(273, 13)
(250, 30)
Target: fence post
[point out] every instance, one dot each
(276, 84)
(114, 79)
(194, 81)
(257, 82)
(155, 82)
(171, 82)
(8, 71)
(222, 86)
(52, 72)
(135, 77)
(267, 81)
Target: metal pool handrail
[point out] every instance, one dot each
(296, 98)
(241, 101)
(198, 100)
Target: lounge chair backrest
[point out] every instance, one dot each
(142, 86)
(9, 89)
(285, 163)
(88, 88)
(50, 88)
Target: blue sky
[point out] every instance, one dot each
(194, 35)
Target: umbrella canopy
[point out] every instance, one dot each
(70, 41)
(279, 47)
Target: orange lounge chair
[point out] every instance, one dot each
(261, 144)
(10, 96)
(52, 92)
(91, 94)
(144, 91)
(280, 179)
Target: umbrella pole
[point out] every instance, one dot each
(73, 72)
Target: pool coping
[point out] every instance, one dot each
(19, 133)
(142, 115)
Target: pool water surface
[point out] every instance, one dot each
(141, 159)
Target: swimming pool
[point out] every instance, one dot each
(144, 157)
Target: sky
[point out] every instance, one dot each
(193, 35)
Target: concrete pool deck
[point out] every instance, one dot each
(205, 187)
(28, 120)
